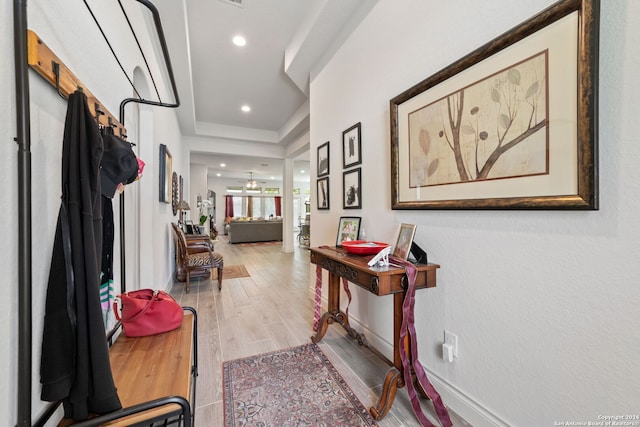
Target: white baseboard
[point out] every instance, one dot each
(464, 406)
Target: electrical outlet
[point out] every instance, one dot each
(452, 340)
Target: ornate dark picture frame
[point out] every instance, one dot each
(164, 174)
(351, 146)
(175, 198)
(352, 189)
(505, 128)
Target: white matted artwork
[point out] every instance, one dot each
(322, 192)
(323, 159)
(352, 189)
(351, 146)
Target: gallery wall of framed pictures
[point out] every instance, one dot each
(351, 175)
(349, 227)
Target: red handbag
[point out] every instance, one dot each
(148, 312)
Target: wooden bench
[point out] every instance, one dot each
(155, 377)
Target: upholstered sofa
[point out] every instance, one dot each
(255, 231)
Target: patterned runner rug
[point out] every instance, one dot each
(291, 387)
(234, 271)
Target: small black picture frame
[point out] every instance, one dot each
(352, 189)
(322, 192)
(351, 146)
(323, 159)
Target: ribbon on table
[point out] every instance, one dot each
(318, 297)
(408, 329)
(345, 286)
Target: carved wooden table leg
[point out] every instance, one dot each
(323, 325)
(392, 382)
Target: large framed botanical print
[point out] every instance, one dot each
(512, 125)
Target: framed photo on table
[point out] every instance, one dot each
(189, 227)
(348, 229)
(322, 193)
(511, 125)
(323, 159)
(351, 146)
(404, 240)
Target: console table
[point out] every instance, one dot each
(380, 281)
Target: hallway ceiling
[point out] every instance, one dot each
(286, 41)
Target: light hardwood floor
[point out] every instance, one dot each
(268, 311)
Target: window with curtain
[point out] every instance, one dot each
(250, 206)
(269, 207)
(257, 207)
(238, 206)
(278, 205)
(228, 207)
(254, 206)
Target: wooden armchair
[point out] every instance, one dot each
(195, 258)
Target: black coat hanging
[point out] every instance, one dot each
(74, 366)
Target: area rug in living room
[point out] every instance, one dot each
(293, 387)
(269, 243)
(234, 271)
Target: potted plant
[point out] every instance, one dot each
(203, 206)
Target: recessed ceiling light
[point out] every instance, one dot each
(273, 177)
(218, 174)
(301, 171)
(222, 165)
(239, 41)
(245, 108)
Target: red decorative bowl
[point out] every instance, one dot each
(363, 247)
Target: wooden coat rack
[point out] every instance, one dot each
(42, 59)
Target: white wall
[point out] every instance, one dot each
(545, 304)
(70, 32)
